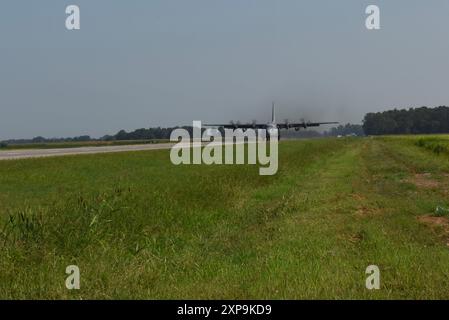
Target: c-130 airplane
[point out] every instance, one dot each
(270, 127)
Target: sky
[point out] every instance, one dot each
(139, 63)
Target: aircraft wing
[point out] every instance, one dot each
(302, 124)
(238, 126)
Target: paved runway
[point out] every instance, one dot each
(38, 153)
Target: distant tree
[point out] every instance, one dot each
(82, 138)
(38, 139)
(107, 138)
(147, 134)
(121, 135)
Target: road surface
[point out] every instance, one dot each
(38, 153)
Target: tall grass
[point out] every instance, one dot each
(435, 145)
(140, 227)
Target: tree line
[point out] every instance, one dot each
(404, 121)
(412, 121)
(164, 134)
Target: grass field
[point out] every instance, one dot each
(139, 227)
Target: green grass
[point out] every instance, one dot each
(139, 227)
(435, 145)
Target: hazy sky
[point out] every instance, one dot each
(142, 63)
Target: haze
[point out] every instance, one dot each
(140, 64)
